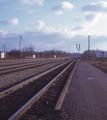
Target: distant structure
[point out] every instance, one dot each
(89, 43)
(54, 56)
(88, 46)
(20, 43)
(30, 57)
(101, 54)
(34, 56)
(4, 47)
(2, 55)
(78, 48)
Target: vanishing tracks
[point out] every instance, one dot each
(16, 66)
(16, 100)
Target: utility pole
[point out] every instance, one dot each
(20, 47)
(88, 46)
(4, 47)
(20, 43)
(78, 48)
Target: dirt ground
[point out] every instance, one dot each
(87, 94)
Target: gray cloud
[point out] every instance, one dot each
(78, 28)
(11, 22)
(59, 9)
(42, 42)
(30, 2)
(95, 7)
(90, 17)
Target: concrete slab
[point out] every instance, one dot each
(86, 98)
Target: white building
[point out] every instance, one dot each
(2, 55)
(54, 56)
(30, 57)
(101, 54)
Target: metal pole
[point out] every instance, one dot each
(20, 47)
(20, 43)
(78, 48)
(88, 46)
(4, 47)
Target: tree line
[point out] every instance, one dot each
(30, 51)
(89, 54)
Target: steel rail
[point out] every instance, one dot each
(64, 91)
(23, 109)
(15, 62)
(20, 65)
(10, 90)
(22, 62)
(24, 67)
(25, 64)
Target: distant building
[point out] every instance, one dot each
(30, 57)
(101, 54)
(2, 55)
(54, 56)
(33, 56)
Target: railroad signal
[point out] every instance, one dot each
(78, 47)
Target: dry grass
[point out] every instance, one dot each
(99, 63)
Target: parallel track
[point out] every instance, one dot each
(15, 62)
(4, 70)
(10, 90)
(38, 95)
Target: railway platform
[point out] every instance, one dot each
(86, 98)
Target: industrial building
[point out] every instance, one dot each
(101, 54)
(2, 55)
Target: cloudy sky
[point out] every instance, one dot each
(53, 24)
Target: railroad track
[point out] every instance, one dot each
(4, 70)
(17, 99)
(8, 63)
(21, 60)
(15, 62)
(8, 91)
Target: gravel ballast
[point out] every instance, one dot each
(15, 100)
(43, 109)
(8, 80)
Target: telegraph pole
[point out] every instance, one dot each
(20, 43)
(4, 47)
(20, 47)
(88, 46)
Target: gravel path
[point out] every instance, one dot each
(15, 77)
(87, 94)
